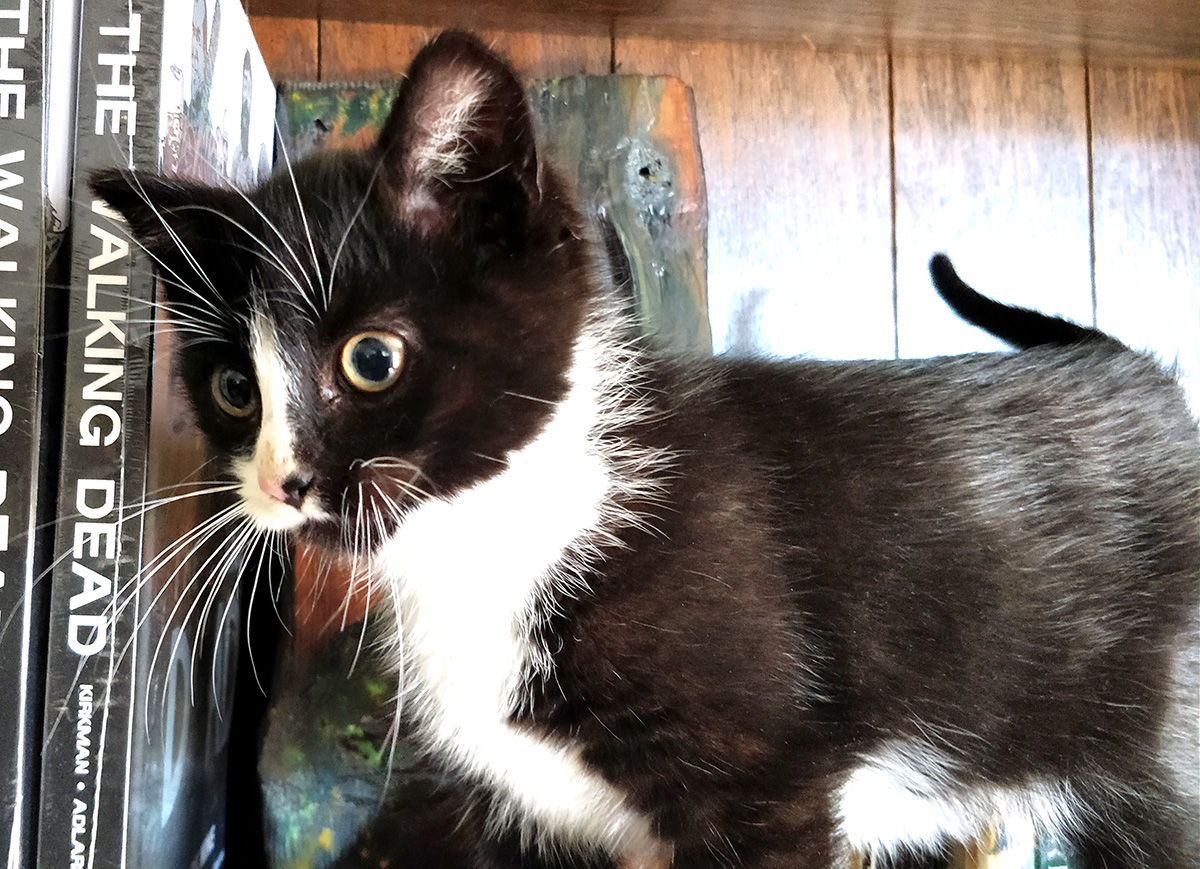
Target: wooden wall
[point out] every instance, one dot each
(832, 177)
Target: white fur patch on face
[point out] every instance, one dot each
(273, 456)
(908, 797)
(466, 575)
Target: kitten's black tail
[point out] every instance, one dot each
(1019, 327)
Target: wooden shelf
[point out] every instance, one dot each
(1107, 29)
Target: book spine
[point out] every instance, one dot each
(25, 224)
(89, 710)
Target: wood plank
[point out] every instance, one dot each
(630, 146)
(1097, 28)
(357, 51)
(991, 168)
(795, 150)
(1146, 135)
(288, 45)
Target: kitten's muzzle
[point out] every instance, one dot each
(291, 490)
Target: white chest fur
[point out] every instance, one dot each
(464, 575)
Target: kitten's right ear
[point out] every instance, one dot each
(457, 150)
(184, 226)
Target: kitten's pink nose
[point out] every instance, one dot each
(290, 490)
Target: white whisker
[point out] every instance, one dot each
(185, 592)
(304, 222)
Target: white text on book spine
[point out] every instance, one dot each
(115, 97)
(12, 78)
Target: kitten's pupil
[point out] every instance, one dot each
(371, 361)
(234, 391)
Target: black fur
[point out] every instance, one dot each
(921, 550)
(995, 557)
(1020, 327)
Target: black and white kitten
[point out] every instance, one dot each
(705, 612)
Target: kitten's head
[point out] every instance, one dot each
(370, 329)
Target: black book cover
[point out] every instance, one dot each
(37, 62)
(143, 617)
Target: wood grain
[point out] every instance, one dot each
(357, 51)
(991, 168)
(630, 147)
(1097, 28)
(795, 151)
(288, 45)
(1146, 134)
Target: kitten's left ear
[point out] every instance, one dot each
(458, 146)
(183, 225)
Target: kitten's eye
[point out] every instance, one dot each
(234, 392)
(372, 361)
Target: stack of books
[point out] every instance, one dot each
(109, 754)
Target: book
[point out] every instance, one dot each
(143, 615)
(629, 145)
(37, 64)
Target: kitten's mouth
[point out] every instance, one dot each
(329, 535)
(354, 538)
(271, 515)
(366, 521)
(382, 493)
